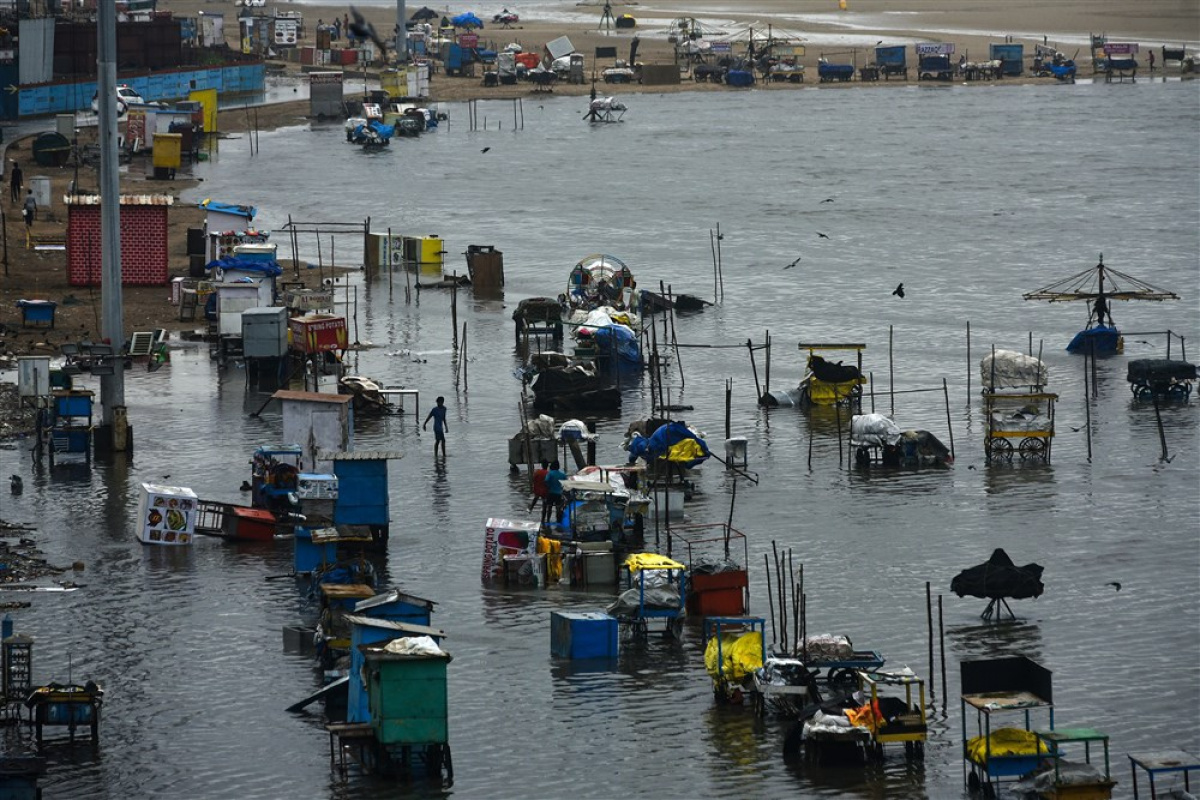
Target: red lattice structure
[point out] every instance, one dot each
(143, 240)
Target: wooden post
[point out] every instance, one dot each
(929, 619)
(712, 243)
(720, 265)
(464, 362)
(942, 651)
(674, 338)
(968, 362)
(891, 372)
(837, 412)
(295, 248)
(1162, 436)
(1087, 408)
(871, 379)
(770, 596)
(320, 259)
(767, 371)
(388, 250)
(757, 389)
(454, 313)
(949, 426)
(728, 407)
(810, 441)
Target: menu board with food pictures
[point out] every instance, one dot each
(166, 515)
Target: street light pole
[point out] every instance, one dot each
(112, 323)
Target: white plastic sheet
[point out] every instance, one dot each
(1011, 370)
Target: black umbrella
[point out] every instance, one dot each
(998, 579)
(423, 13)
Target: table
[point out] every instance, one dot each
(1055, 738)
(1162, 761)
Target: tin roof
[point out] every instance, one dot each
(357, 455)
(392, 596)
(393, 625)
(126, 200)
(312, 397)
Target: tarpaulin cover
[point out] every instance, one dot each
(617, 339)
(229, 208)
(866, 716)
(1160, 369)
(639, 561)
(1007, 369)
(873, 430)
(1100, 339)
(467, 20)
(997, 578)
(1004, 742)
(630, 601)
(269, 268)
(832, 373)
(665, 443)
(414, 646)
(740, 655)
(569, 381)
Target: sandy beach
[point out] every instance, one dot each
(821, 26)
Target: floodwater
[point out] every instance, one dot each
(968, 195)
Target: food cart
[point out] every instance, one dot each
(905, 723)
(166, 515)
(655, 594)
(1016, 406)
(995, 687)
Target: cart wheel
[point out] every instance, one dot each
(973, 781)
(1142, 391)
(1179, 391)
(1001, 448)
(842, 677)
(1033, 447)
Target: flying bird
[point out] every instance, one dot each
(1114, 584)
(970, 466)
(823, 236)
(899, 291)
(879, 43)
(365, 30)
(827, 200)
(484, 150)
(1074, 429)
(794, 263)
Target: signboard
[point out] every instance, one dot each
(1120, 48)
(318, 333)
(135, 125)
(321, 78)
(468, 40)
(721, 47)
(166, 515)
(935, 49)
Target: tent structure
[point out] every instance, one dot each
(423, 14)
(467, 20)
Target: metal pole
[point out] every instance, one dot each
(401, 37)
(949, 426)
(891, 373)
(968, 362)
(1087, 407)
(112, 387)
(929, 618)
(942, 651)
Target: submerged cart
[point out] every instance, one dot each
(1019, 413)
(655, 595)
(905, 717)
(1162, 378)
(997, 690)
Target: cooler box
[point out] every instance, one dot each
(407, 697)
(254, 524)
(256, 252)
(583, 634)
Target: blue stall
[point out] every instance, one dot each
(1010, 56)
(366, 631)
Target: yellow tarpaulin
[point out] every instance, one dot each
(553, 550)
(741, 654)
(686, 450)
(866, 716)
(640, 561)
(1004, 742)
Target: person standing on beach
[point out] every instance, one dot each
(438, 415)
(1151, 56)
(30, 209)
(17, 182)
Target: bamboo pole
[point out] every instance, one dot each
(968, 362)
(712, 243)
(1087, 408)
(728, 408)
(929, 619)
(757, 389)
(770, 595)
(942, 651)
(388, 249)
(464, 356)
(949, 426)
(767, 370)
(720, 265)
(1162, 436)
(891, 372)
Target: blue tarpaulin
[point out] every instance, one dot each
(228, 208)
(617, 340)
(467, 20)
(269, 269)
(665, 443)
(1100, 339)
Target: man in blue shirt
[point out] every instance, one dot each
(554, 490)
(438, 415)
